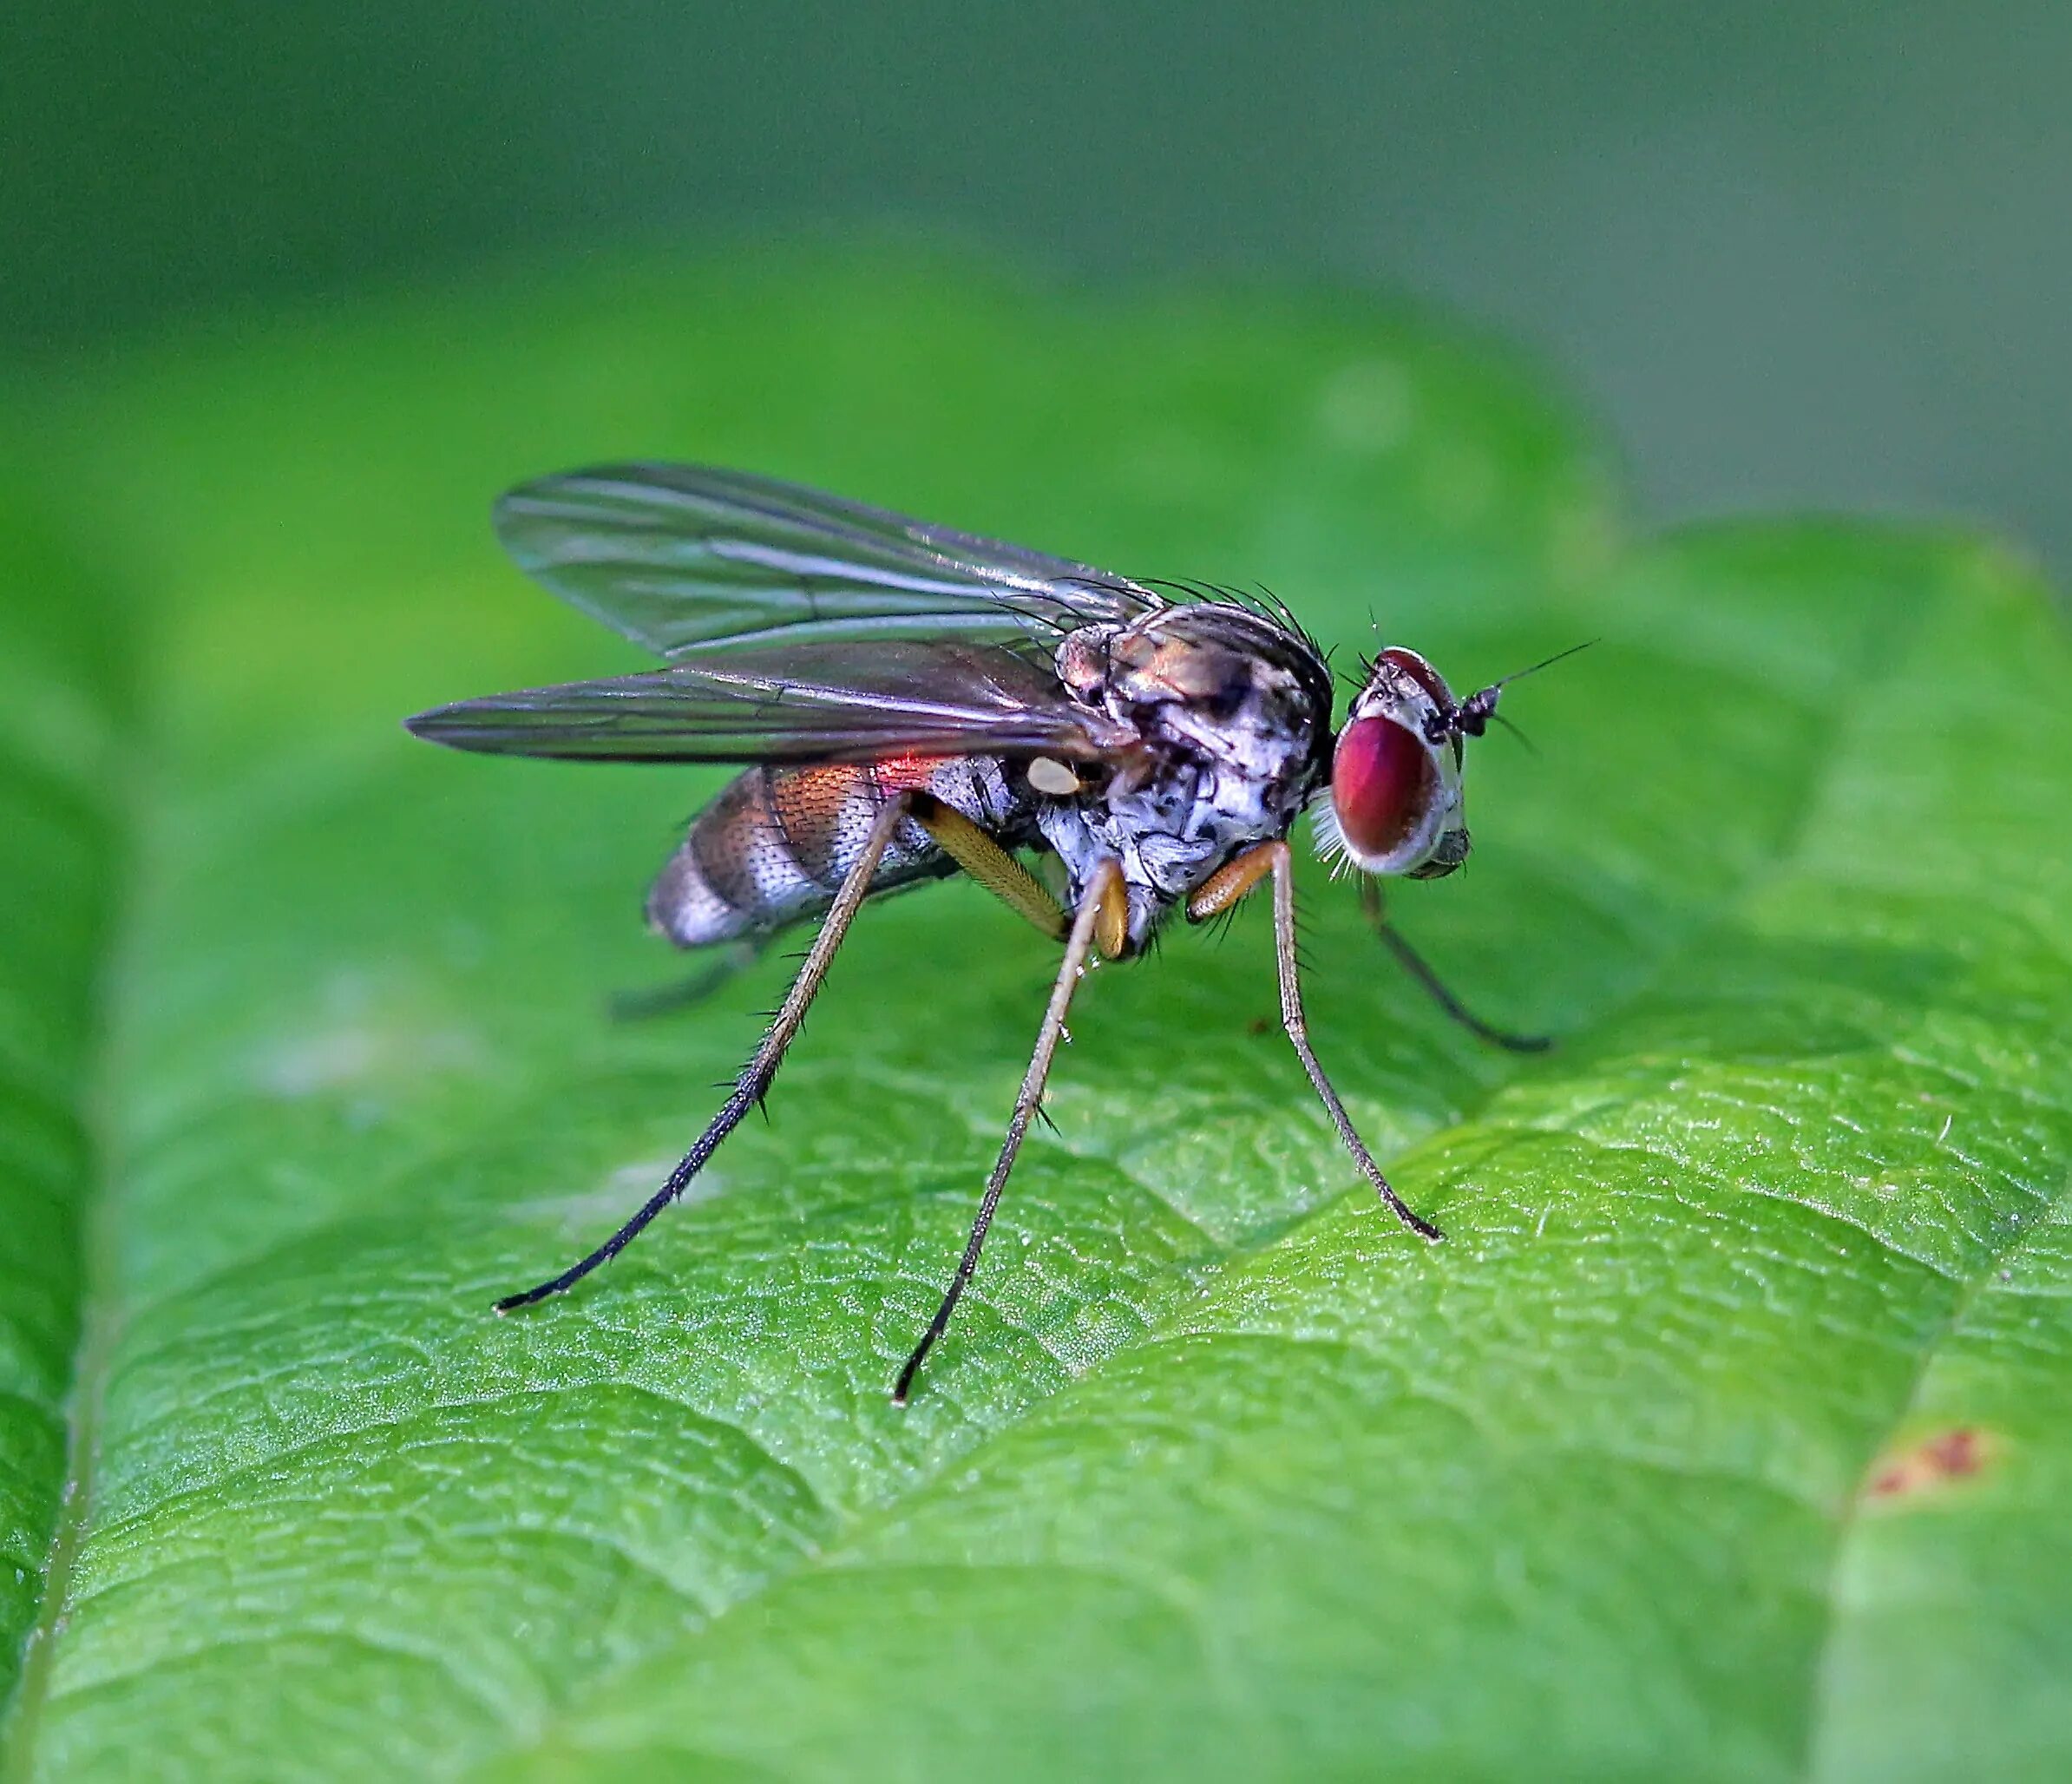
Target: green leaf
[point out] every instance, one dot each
(1727, 1438)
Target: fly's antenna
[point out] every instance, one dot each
(1532, 749)
(1472, 717)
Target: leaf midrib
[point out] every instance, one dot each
(100, 1323)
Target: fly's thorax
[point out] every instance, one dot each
(1214, 688)
(1234, 713)
(777, 844)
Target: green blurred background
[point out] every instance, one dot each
(1807, 254)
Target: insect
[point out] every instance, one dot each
(913, 702)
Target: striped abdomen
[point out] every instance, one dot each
(775, 846)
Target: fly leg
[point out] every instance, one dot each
(1079, 945)
(728, 958)
(1420, 969)
(985, 861)
(756, 1077)
(981, 857)
(1223, 889)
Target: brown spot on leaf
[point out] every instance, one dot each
(1933, 1462)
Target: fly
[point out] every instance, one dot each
(913, 702)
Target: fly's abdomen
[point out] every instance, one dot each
(776, 845)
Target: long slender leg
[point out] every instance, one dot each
(756, 1077)
(1112, 921)
(1298, 1033)
(1223, 889)
(1232, 881)
(727, 959)
(1078, 946)
(982, 858)
(985, 861)
(1415, 964)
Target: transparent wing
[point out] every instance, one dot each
(680, 558)
(817, 701)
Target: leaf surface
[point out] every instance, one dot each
(1725, 1439)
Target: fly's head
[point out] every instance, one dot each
(1395, 770)
(1395, 804)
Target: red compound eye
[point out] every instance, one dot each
(1422, 674)
(1382, 781)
